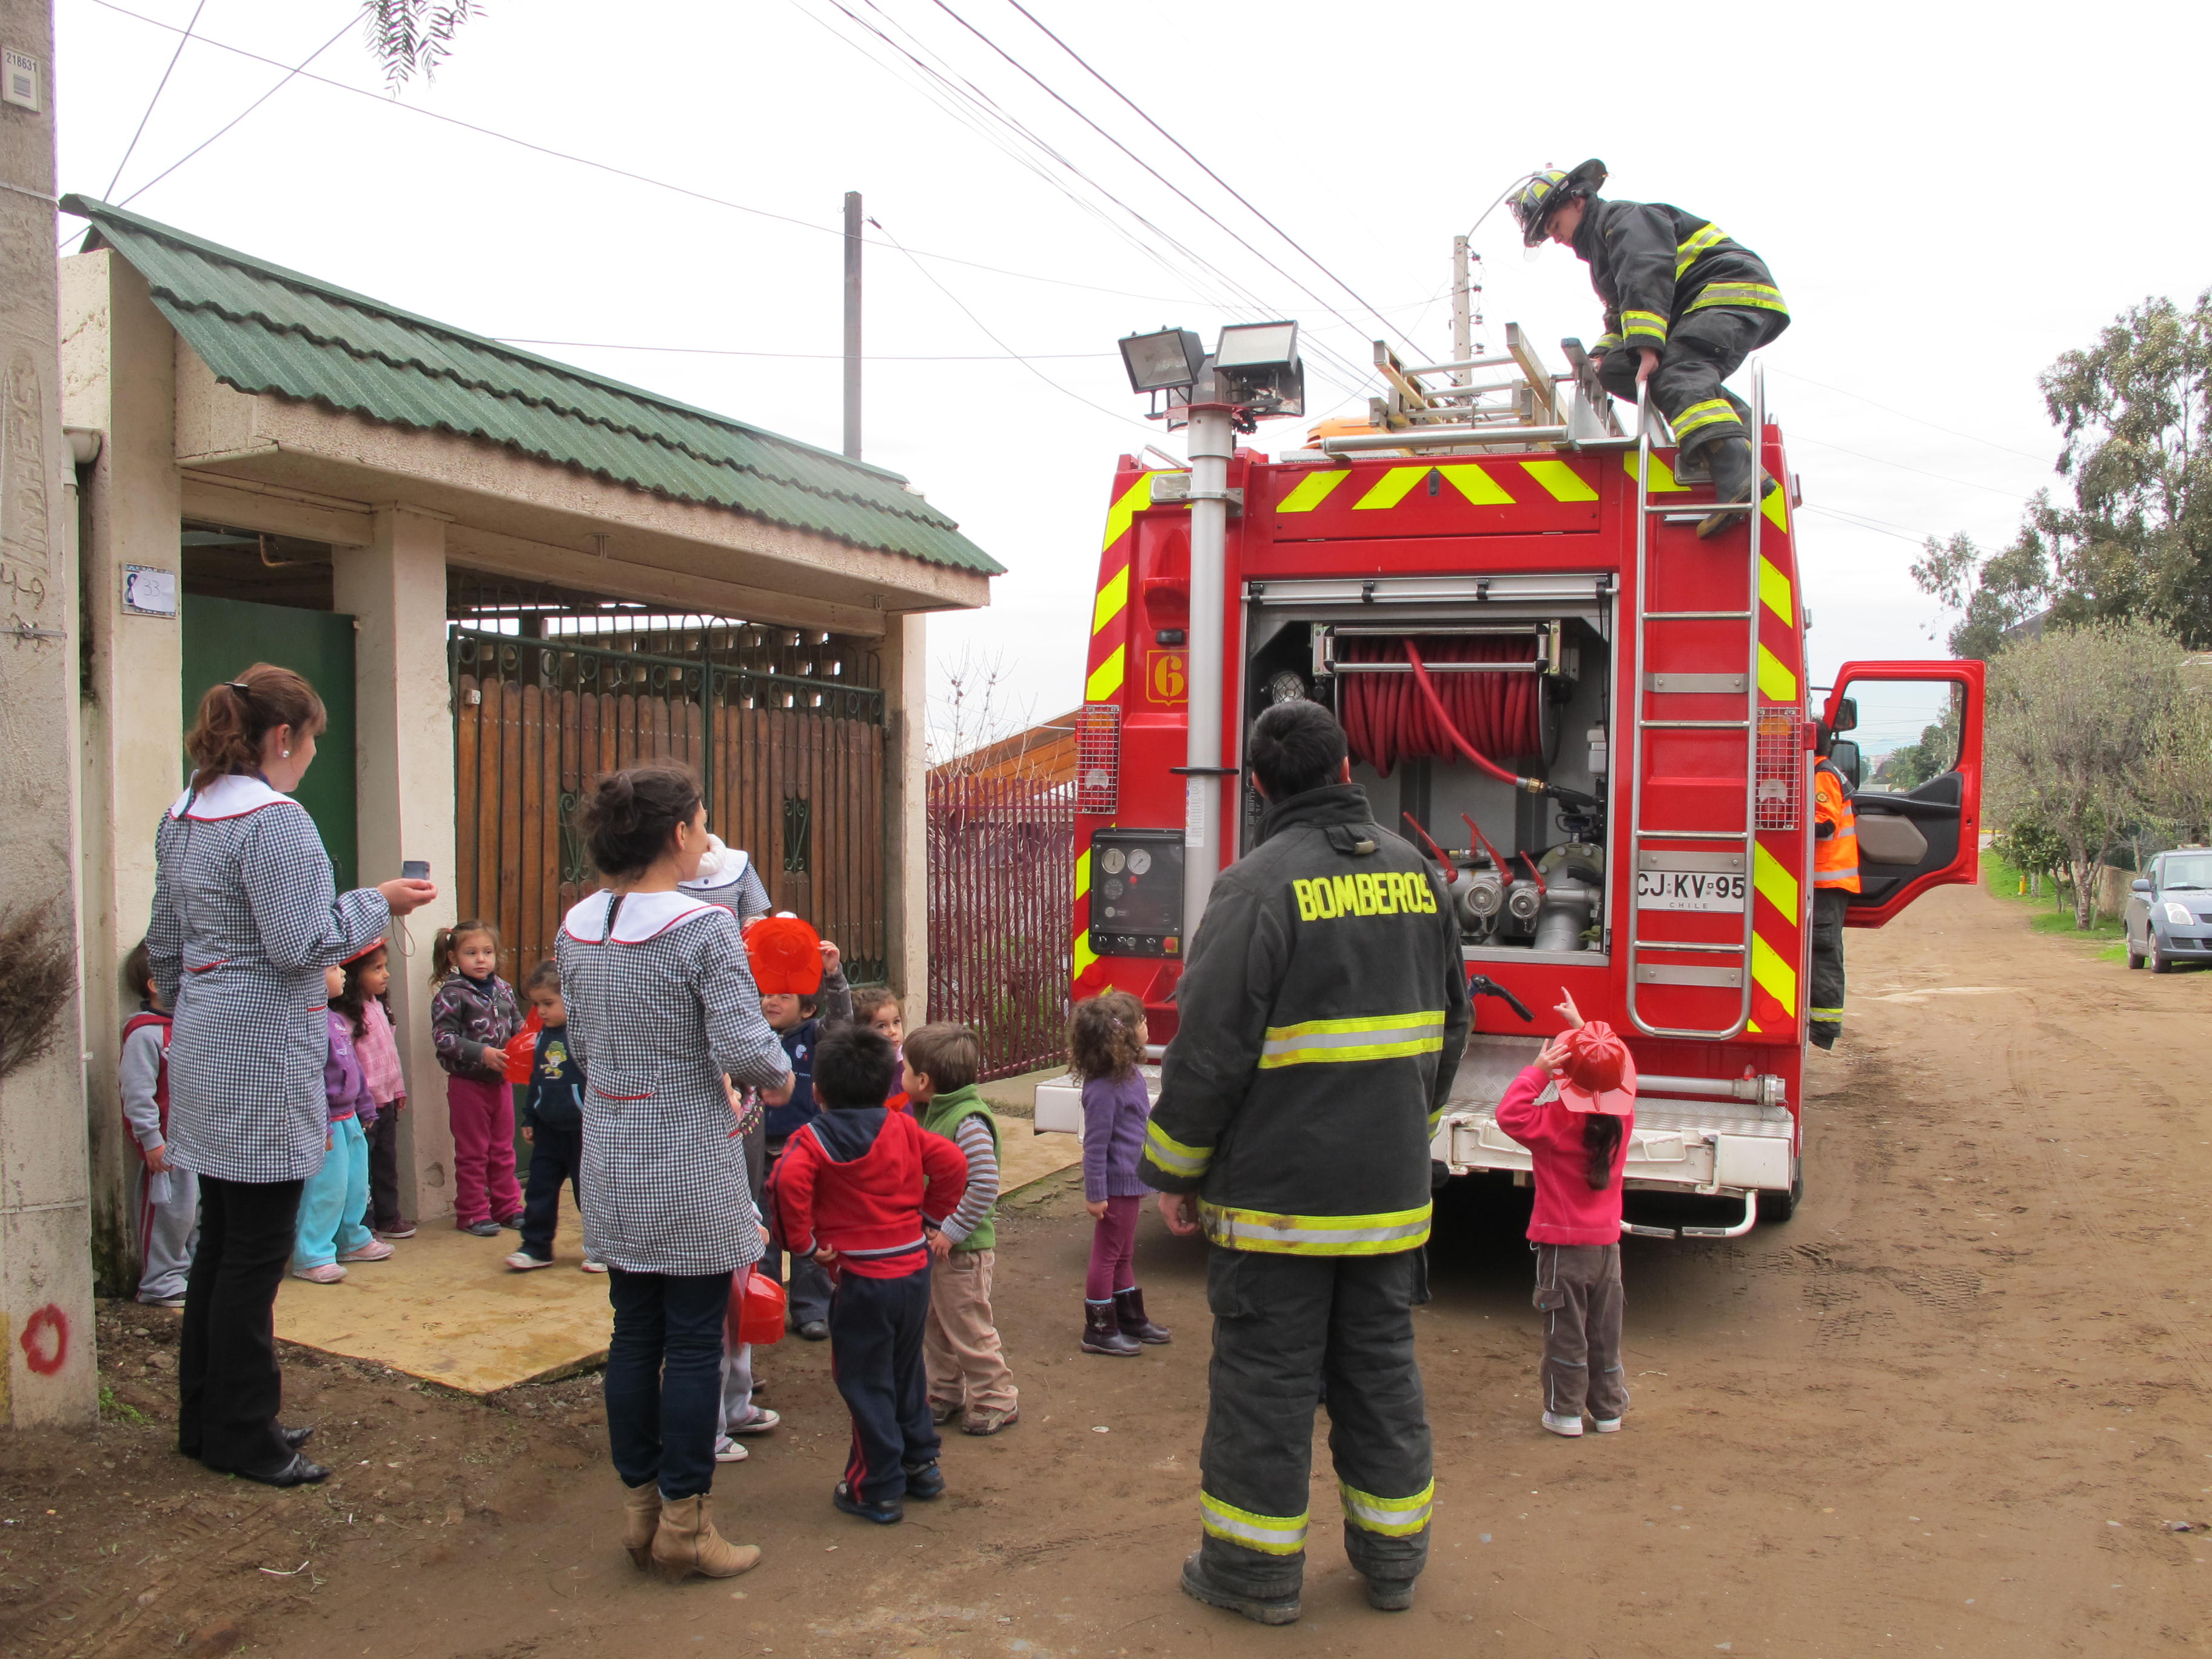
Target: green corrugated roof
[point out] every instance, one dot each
(262, 328)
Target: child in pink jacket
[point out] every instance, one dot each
(1573, 1110)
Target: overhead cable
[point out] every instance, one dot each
(158, 86)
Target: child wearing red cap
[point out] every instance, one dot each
(1573, 1110)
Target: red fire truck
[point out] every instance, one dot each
(1596, 725)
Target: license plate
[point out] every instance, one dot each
(1689, 889)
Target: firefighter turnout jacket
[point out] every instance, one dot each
(1653, 265)
(1321, 1014)
(1835, 831)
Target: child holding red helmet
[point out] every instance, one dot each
(1573, 1110)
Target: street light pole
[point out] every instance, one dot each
(1212, 440)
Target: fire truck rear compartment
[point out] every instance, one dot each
(1527, 683)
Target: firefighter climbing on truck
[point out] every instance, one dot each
(1685, 304)
(1835, 879)
(1323, 1008)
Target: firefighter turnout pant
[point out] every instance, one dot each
(1702, 350)
(1288, 1332)
(1826, 1012)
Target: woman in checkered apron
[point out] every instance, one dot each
(662, 1014)
(246, 916)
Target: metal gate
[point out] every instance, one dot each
(791, 765)
(1000, 914)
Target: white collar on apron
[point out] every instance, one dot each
(643, 916)
(230, 797)
(722, 885)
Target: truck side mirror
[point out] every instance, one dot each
(1847, 715)
(2139, 886)
(1844, 756)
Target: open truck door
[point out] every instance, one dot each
(1909, 739)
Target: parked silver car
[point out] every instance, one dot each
(2169, 914)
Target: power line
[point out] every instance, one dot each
(344, 28)
(1944, 477)
(809, 356)
(624, 173)
(1917, 420)
(158, 86)
(1208, 171)
(1880, 526)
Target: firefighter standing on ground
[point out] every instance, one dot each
(1323, 1008)
(1835, 879)
(1683, 306)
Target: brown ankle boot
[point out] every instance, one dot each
(641, 1520)
(1129, 1315)
(687, 1543)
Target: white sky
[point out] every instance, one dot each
(1948, 196)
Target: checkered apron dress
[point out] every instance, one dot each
(661, 1007)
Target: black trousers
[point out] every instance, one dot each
(383, 1171)
(557, 1154)
(663, 1378)
(1702, 350)
(1826, 1012)
(875, 1354)
(228, 1389)
(1285, 1327)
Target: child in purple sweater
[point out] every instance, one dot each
(1106, 1040)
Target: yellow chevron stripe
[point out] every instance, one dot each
(1477, 485)
(1084, 956)
(1113, 599)
(1119, 516)
(1662, 478)
(1774, 590)
(1777, 682)
(1778, 511)
(1562, 480)
(1082, 873)
(1772, 975)
(1767, 875)
(1312, 490)
(1106, 679)
(1390, 489)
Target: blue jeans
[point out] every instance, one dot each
(663, 1381)
(334, 1198)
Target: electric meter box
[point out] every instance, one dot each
(1136, 892)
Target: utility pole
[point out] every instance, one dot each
(852, 324)
(1211, 441)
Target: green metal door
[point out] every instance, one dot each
(225, 637)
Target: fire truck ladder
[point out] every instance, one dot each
(1732, 850)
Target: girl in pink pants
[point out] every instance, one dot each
(1106, 1038)
(472, 1015)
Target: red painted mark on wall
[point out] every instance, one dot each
(45, 1340)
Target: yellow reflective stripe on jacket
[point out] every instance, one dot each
(1713, 411)
(1605, 342)
(1384, 1037)
(1394, 1517)
(1273, 1233)
(1172, 1156)
(1761, 296)
(1633, 323)
(1699, 240)
(1273, 1534)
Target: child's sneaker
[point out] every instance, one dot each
(727, 1450)
(375, 1250)
(1571, 1427)
(888, 1513)
(397, 1229)
(511, 1223)
(925, 1480)
(522, 1261)
(486, 1228)
(940, 1412)
(588, 1266)
(328, 1273)
(758, 1420)
(1606, 1424)
(163, 1301)
(991, 1421)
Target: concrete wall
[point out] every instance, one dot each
(46, 1370)
(906, 803)
(116, 381)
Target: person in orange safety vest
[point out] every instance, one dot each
(1835, 879)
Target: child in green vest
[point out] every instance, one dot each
(968, 1374)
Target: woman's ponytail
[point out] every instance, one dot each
(235, 715)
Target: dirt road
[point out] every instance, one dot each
(1960, 1404)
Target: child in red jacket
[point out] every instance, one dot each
(853, 1189)
(1573, 1110)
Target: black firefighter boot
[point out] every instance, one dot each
(1129, 1313)
(1102, 1332)
(1729, 462)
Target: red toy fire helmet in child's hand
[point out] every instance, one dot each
(786, 955)
(522, 1051)
(756, 1306)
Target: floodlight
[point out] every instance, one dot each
(1257, 346)
(1161, 361)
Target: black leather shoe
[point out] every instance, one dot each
(297, 1473)
(815, 1330)
(296, 1438)
(924, 1480)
